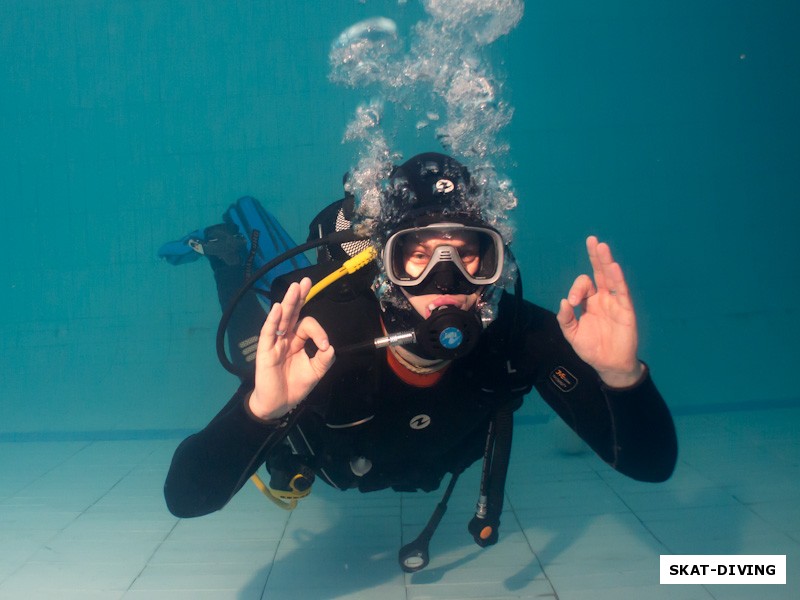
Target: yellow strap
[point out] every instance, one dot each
(290, 505)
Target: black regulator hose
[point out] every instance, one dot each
(338, 237)
(414, 556)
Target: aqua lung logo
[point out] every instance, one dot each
(451, 338)
(445, 186)
(420, 422)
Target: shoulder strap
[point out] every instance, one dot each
(337, 216)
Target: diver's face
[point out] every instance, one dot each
(416, 257)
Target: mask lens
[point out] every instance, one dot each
(410, 255)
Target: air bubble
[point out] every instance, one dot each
(360, 55)
(444, 77)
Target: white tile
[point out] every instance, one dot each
(782, 514)
(338, 529)
(745, 592)
(215, 551)
(341, 572)
(395, 591)
(233, 594)
(231, 526)
(689, 530)
(67, 577)
(782, 487)
(201, 577)
(537, 590)
(626, 592)
(35, 518)
(557, 498)
(63, 595)
(658, 498)
(96, 522)
(89, 520)
(128, 547)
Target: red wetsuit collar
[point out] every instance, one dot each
(406, 375)
(409, 377)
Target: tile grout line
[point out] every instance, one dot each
(152, 554)
(164, 539)
(81, 513)
(73, 521)
(510, 503)
(275, 555)
(48, 471)
(644, 525)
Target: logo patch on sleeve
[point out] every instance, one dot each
(563, 379)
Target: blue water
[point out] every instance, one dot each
(671, 130)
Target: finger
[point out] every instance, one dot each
(285, 307)
(298, 301)
(605, 262)
(597, 268)
(618, 287)
(305, 287)
(581, 290)
(268, 335)
(292, 303)
(271, 323)
(310, 329)
(614, 280)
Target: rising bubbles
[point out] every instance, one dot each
(438, 77)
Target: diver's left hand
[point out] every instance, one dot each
(605, 334)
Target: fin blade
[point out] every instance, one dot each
(248, 215)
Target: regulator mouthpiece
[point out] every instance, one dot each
(449, 332)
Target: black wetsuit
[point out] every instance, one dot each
(411, 436)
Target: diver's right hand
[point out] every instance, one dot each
(285, 374)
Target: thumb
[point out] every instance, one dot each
(566, 319)
(322, 361)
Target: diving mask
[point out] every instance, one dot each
(443, 258)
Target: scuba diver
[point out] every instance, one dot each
(411, 367)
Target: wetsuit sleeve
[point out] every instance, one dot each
(631, 429)
(210, 466)
(644, 445)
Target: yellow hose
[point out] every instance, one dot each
(349, 267)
